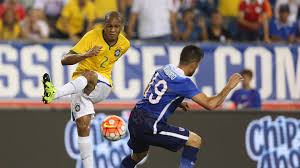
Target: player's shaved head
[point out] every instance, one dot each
(190, 54)
(114, 15)
(113, 25)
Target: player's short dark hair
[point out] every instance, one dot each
(190, 54)
(113, 14)
(247, 72)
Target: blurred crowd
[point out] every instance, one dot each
(152, 20)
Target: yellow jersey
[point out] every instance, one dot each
(9, 34)
(76, 16)
(105, 6)
(104, 61)
(227, 8)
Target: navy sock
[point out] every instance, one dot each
(188, 157)
(128, 162)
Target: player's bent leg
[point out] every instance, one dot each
(139, 156)
(190, 150)
(92, 79)
(84, 143)
(131, 161)
(194, 140)
(100, 93)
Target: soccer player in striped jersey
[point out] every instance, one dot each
(168, 87)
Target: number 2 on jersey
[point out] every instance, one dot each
(155, 98)
(103, 63)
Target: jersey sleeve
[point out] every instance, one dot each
(84, 44)
(257, 100)
(294, 30)
(268, 8)
(17, 31)
(265, 8)
(187, 89)
(242, 6)
(22, 12)
(172, 6)
(233, 97)
(272, 28)
(126, 47)
(66, 11)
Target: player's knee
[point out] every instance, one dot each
(194, 140)
(83, 125)
(91, 77)
(139, 156)
(89, 88)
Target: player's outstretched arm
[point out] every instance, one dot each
(213, 102)
(72, 58)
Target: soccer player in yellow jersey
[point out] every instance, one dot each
(95, 54)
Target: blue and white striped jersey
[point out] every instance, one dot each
(167, 89)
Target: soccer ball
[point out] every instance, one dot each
(113, 128)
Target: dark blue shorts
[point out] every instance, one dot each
(141, 127)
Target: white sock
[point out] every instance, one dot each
(86, 151)
(71, 87)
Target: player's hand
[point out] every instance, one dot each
(234, 80)
(185, 106)
(93, 52)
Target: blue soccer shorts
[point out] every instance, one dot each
(141, 127)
